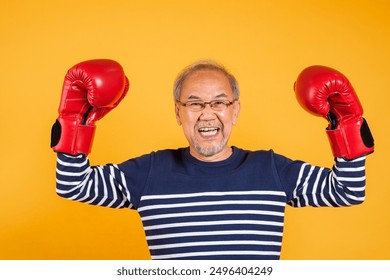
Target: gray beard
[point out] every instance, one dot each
(211, 151)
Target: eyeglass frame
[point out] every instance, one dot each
(210, 103)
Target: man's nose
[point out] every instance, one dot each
(207, 112)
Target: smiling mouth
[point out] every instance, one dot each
(208, 131)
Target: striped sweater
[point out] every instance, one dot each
(232, 209)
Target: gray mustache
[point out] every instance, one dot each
(203, 124)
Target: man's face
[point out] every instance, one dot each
(207, 131)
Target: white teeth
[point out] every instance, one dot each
(205, 129)
(208, 131)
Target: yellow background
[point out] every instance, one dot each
(265, 43)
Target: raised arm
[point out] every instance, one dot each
(104, 185)
(91, 89)
(309, 185)
(326, 92)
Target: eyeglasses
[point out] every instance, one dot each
(216, 105)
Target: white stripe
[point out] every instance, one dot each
(206, 203)
(59, 191)
(81, 187)
(70, 156)
(67, 183)
(298, 183)
(357, 189)
(72, 164)
(354, 160)
(212, 233)
(214, 223)
(112, 184)
(306, 184)
(75, 174)
(95, 182)
(116, 186)
(350, 169)
(104, 196)
(357, 198)
(169, 196)
(210, 213)
(215, 243)
(350, 179)
(211, 253)
(324, 183)
(124, 190)
(338, 187)
(315, 187)
(331, 187)
(323, 192)
(86, 195)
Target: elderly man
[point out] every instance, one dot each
(209, 200)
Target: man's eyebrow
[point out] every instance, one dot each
(194, 97)
(221, 95)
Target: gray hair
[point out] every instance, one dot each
(204, 65)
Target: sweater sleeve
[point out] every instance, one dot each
(104, 185)
(308, 185)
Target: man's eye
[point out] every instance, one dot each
(219, 104)
(195, 104)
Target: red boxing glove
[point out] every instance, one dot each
(326, 92)
(91, 89)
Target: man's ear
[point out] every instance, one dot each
(177, 112)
